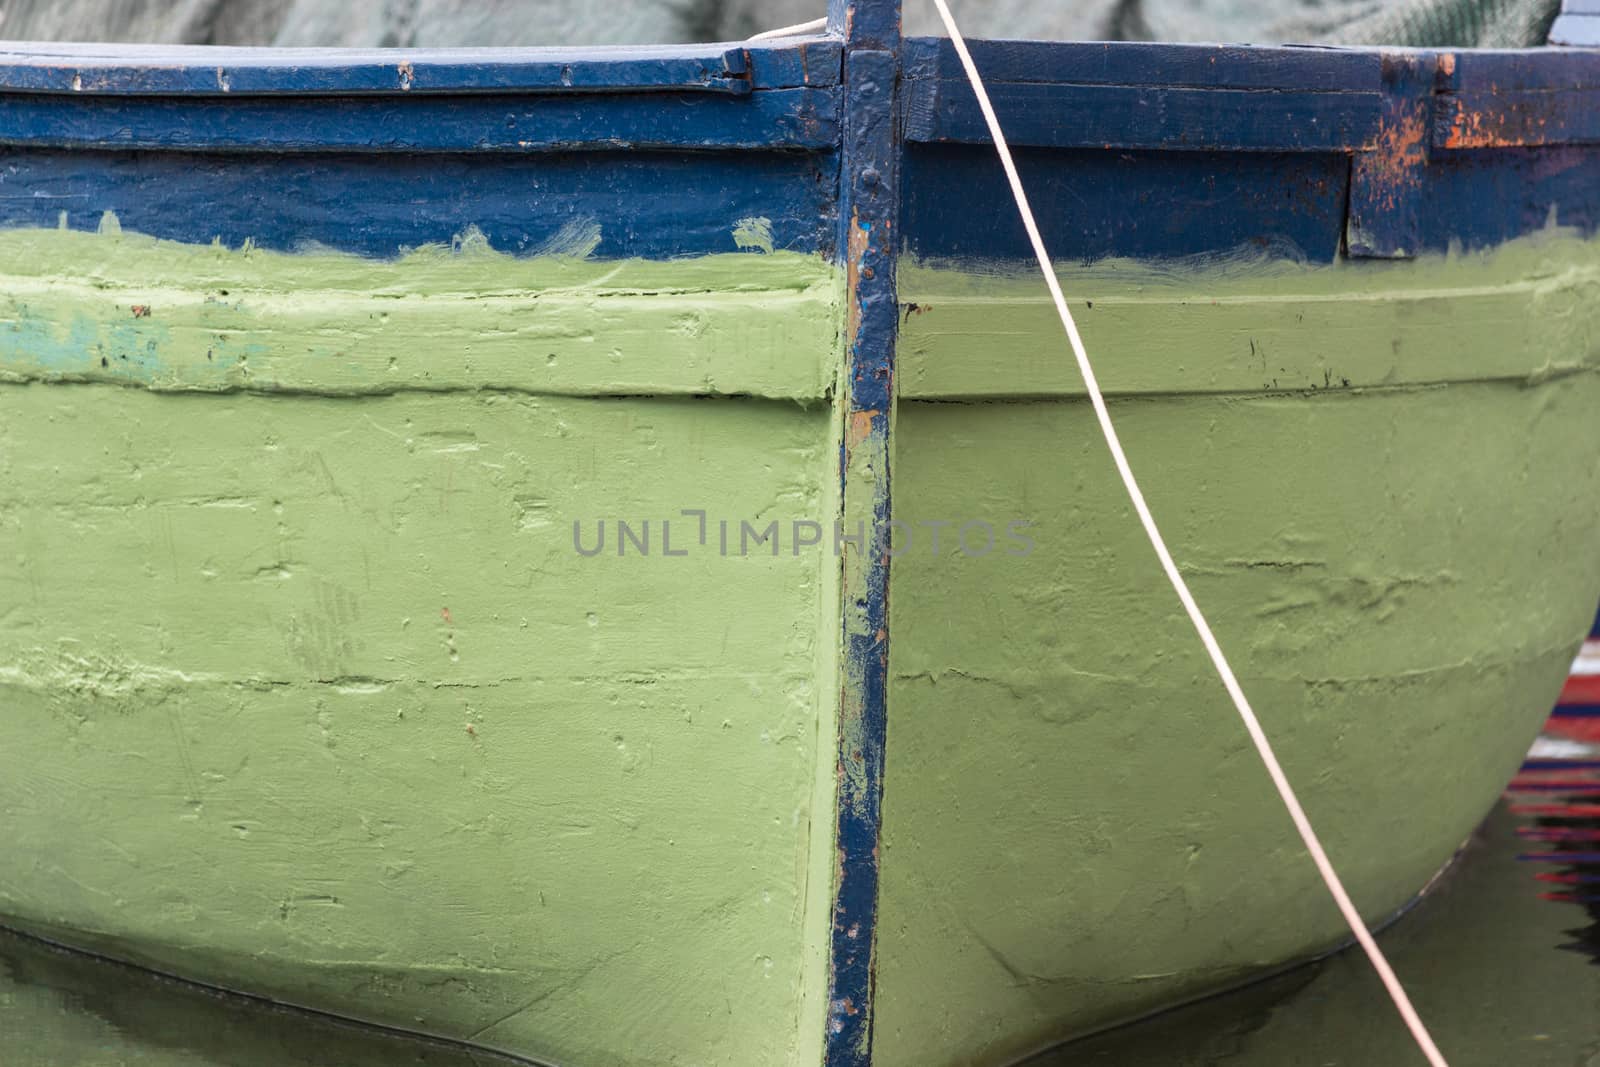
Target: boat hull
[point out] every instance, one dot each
(1076, 826)
(607, 557)
(330, 677)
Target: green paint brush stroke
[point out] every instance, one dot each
(1254, 324)
(127, 308)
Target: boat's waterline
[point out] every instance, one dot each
(308, 691)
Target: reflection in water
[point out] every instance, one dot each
(1566, 837)
(1563, 774)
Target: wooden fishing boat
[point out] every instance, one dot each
(448, 577)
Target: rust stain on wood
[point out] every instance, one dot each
(857, 241)
(860, 428)
(1515, 124)
(1391, 169)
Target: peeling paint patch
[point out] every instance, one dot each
(1386, 179)
(754, 232)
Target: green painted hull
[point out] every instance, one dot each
(307, 692)
(1380, 483)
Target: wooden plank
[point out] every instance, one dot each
(1092, 204)
(1518, 70)
(1141, 63)
(168, 69)
(1304, 331)
(1517, 98)
(523, 326)
(614, 205)
(1387, 183)
(785, 118)
(1122, 116)
(810, 61)
(1486, 118)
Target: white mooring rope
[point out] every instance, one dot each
(1286, 792)
(799, 29)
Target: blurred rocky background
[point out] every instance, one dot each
(446, 23)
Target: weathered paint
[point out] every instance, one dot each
(1097, 204)
(407, 201)
(1500, 100)
(1075, 828)
(1176, 150)
(1079, 63)
(1387, 178)
(775, 118)
(180, 70)
(204, 70)
(126, 308)
(1201, 98)
(869, 217)
(761, 94)
(1252, 323)
(1053, 115)
(307, 692)
(279, 590)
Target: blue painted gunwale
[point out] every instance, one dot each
(1112, 131)
(1517, 99)
(1117, 95)
(502, 122)
(463, 100)
(327, 148)
(1223, 97)
(190, 70)
(1166, 151)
